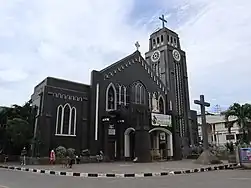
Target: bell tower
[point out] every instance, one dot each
(169, 62)
(160, 42)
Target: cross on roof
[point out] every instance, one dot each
(137, 45)
(162, 18)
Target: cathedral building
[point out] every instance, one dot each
(135, 108)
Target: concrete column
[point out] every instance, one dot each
(142, 145)
(157, 143)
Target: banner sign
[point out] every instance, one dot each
(245, 155)
(111, 130)
(161, 120)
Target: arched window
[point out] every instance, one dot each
(161, 38)
(154, 102)
(161, 105)
(111, 97)
(122, 95)
(73, 118)
(66, 121)
(138, 93)
(59, 119)
(154, 42)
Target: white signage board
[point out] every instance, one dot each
(161, 120)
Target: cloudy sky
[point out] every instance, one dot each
(69, 38)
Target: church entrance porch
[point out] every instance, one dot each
(129, 143)
(161, 143)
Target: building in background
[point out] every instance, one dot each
(218, 132)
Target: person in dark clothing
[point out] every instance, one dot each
(23, 156)
(70, 161)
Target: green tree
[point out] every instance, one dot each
(242, 113)
(19, 133)
(10, 118)
(3, 122)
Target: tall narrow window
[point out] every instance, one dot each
(157, 40)
(66, 121)
(149, 100)
(120, 94)
(59, 119)
(123, 95)
(161, 38)
(111, 98)
(175, 42)
(73, 119)
(161, 105)
(142, 95)
(138, 93)
(154, 42)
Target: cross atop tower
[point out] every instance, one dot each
(137, 45)
(162, 18)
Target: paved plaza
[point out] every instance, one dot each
(123, 167)
(222, 179)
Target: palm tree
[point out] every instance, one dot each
(242, 113)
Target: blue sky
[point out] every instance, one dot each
(69, 38)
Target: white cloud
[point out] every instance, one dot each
(61, 38)
(69, 38)
(216, 37)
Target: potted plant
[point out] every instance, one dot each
(231, 152)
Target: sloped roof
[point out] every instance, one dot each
(129, 60)
(214, 119)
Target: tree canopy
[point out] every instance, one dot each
(242, 113)
(16, 125)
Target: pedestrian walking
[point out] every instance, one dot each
(23, 156)
(52, 157)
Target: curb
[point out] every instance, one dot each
(126, 175)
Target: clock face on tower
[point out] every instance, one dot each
(155, 56)
(176, 55)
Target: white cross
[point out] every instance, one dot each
(137, 45)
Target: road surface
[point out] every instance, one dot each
(222, 179)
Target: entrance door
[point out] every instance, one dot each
(112, 150)
(162, 142)
(129, 141)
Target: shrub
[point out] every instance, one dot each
(71, 152)
(60, 152)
